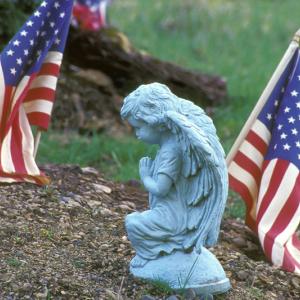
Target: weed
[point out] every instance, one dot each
(47, 233)
(159, 286)
(183, 283)
(14, 262)
(79, 264)
(256, 293)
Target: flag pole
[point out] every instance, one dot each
(37, 142)
(265, 95)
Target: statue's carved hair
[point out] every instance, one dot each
(150, 102)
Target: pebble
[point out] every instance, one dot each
(206, 297)
(242, 275)
(26, 287)
(173, 297)
(295, 282)
(147, 297)
(239, 241)
(190, 294)
(102, 188)
(89, 170)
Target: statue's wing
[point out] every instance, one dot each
(198, 155)
(204, 179)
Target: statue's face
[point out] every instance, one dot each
(144, 132)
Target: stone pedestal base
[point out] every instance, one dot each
(201, 272)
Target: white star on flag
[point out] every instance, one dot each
(16, 43)
(283, 136)
(294, 93)
(24, 33)
(10, 52)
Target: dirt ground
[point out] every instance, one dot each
(67, 241)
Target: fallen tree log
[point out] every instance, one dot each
(110, 52)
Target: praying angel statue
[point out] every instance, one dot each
(187, 184)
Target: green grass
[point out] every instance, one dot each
(117, 158)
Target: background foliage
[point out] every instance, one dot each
(13, 14)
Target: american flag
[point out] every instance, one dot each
(29, 67)
(90, 14)
(265, 170)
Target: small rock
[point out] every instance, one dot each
(106, 212)
(102, 188)
(242, 275)
(251, 246)
(240, 242)
(147, 297)
(190, 294)
(172, 297)
(206, 297)
(26, 287)
(111, 294)
(89, 170)
(295, 282)
(125, 207)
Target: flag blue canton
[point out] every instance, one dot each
(281, 115)
(46, 30)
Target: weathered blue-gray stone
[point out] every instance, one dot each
(187, 184)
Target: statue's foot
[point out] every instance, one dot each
(138, 262)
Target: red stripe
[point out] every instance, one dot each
(40, 93)
(18, 102)
(16, 177)
(39, 119)
(6, 109)
(242, 189)
(49, 69)
(283, 219)
(247, 164)
(257, 142)
(289, 262)
(278, 172)
(16, 147)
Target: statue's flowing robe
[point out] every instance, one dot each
(163, 227)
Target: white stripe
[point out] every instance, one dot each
(6, 159)
(245, 177)
(42, 106)
(277, 254)
(19, 90)
(262, 131)
(45, 81)
(7, 180)
(53, 57)
(284, 190)
(293, 250)
(252, 153)
(264, 184)
(27, 144)
(2, 91)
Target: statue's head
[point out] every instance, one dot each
(149, 103)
